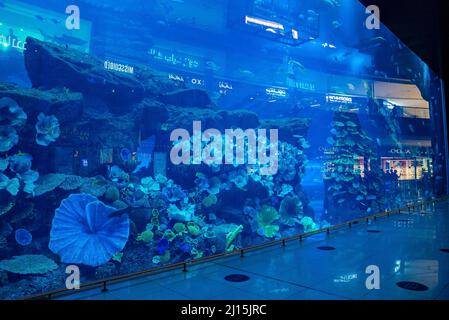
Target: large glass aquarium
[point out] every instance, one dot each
(141, 133)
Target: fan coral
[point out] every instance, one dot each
(85, 232)
(48, 183)
(47, 129)
(71, 182)
(28, 264)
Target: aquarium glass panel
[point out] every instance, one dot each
(136, 134)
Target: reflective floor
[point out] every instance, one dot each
(406, 247)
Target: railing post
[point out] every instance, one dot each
(184, 267)
(104, 289)
(350, 225)
(300, 238)
(328, 231)
(242, 254)
(283, 242)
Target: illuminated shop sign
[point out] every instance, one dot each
(400, 151)
(338, 99)
(108, 65)
(223, 85)
(198, 82)
(276, 92)
(175, 77)
(12, 42)
(263, 23)
(306, 86)
(175, 59)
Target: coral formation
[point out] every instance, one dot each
(28, 264)
(23, 237)
(265, 218)
(47, 129)
(84, 231)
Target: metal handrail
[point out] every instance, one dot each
(103, 283)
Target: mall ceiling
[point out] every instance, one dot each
(422, 25)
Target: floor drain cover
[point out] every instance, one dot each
(413, 286)
(326, 248)
(373, 231)
(444, 250)
(236, 278)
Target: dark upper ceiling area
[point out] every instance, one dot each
(422, 25)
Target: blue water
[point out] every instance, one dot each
(113, 153)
